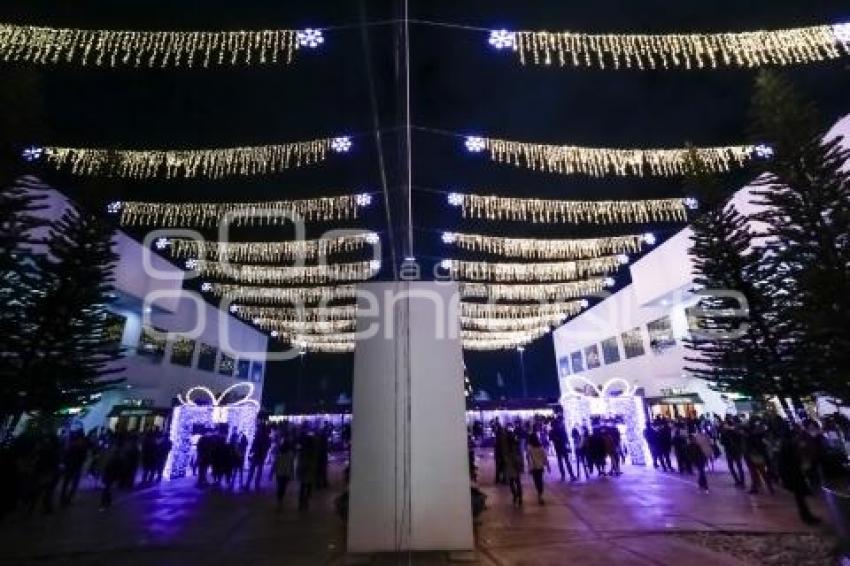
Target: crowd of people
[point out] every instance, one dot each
(40, 468)
(759, 452)
(289, 452)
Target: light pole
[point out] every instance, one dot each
(521, 350)
(301, 354)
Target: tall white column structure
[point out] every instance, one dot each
(410, 487)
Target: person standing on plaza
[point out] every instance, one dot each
(513, 466)
(665, 444)
(537, 462)
(257, 457)
(163, 449)
(500, 448)
(558, 437)
(306, 468)
(680, 447)
(792, 474)
(583, 460)
(697, 458)
(651, 438)
(284, 469)
(72, 466)
(755, 455)
(732, 441)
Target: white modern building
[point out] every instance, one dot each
(171, 338)
(637, 333)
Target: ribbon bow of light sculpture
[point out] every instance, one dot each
(218, 401)
(601, 392)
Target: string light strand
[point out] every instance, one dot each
(492, 207)
(599, 162)
(535, 248)
(540, 272)
(747, 49)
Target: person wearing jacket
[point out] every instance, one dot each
(513, 465)
(284, 468)
(537, 462)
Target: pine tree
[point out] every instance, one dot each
(744, 352)
(806, 195)
(73, 358)
(21, 279)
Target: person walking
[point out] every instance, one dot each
(257, 457)
(500, 449)
(306, 469)
(665, 445)
(73, 461)
(537, 462)
(755, 455)
(732, 440)
(558, 437)
(284, 469)
(699, 454)
(513, 466)
(791, 473)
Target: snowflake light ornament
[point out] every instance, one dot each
(475, 144)
(206, 287)
(372, 238)
(502, 39)
(191, 263)
(455, 199)
(341, 144)
(114, 207)
(32, 153)
(363, 199)
(649, 238)
(311, 38)
(449, 238)
(763, 151)
(162, 243)
(841, 33)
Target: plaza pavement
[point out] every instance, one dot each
(641, 518)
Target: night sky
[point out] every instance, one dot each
(458, 84)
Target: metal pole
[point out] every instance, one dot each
(521, 351)
(300, 377)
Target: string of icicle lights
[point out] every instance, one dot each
(270, 213)
(535, 248)
(512, 324)
(192, 163)
(517, 337)
(265, 274)
(534, 292)
(679, 50)
(114, 48)
(271, 251)
(497, 311)
(307, 345)
(491, 207)
(282, 295)
(298, 326)
(599, 162)
(541, 272)
(314, 314)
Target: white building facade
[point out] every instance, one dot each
(637, 334)
(171, 339)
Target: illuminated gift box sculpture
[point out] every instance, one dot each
(584, 399)
(239, 415)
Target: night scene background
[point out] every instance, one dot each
(354, 87)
